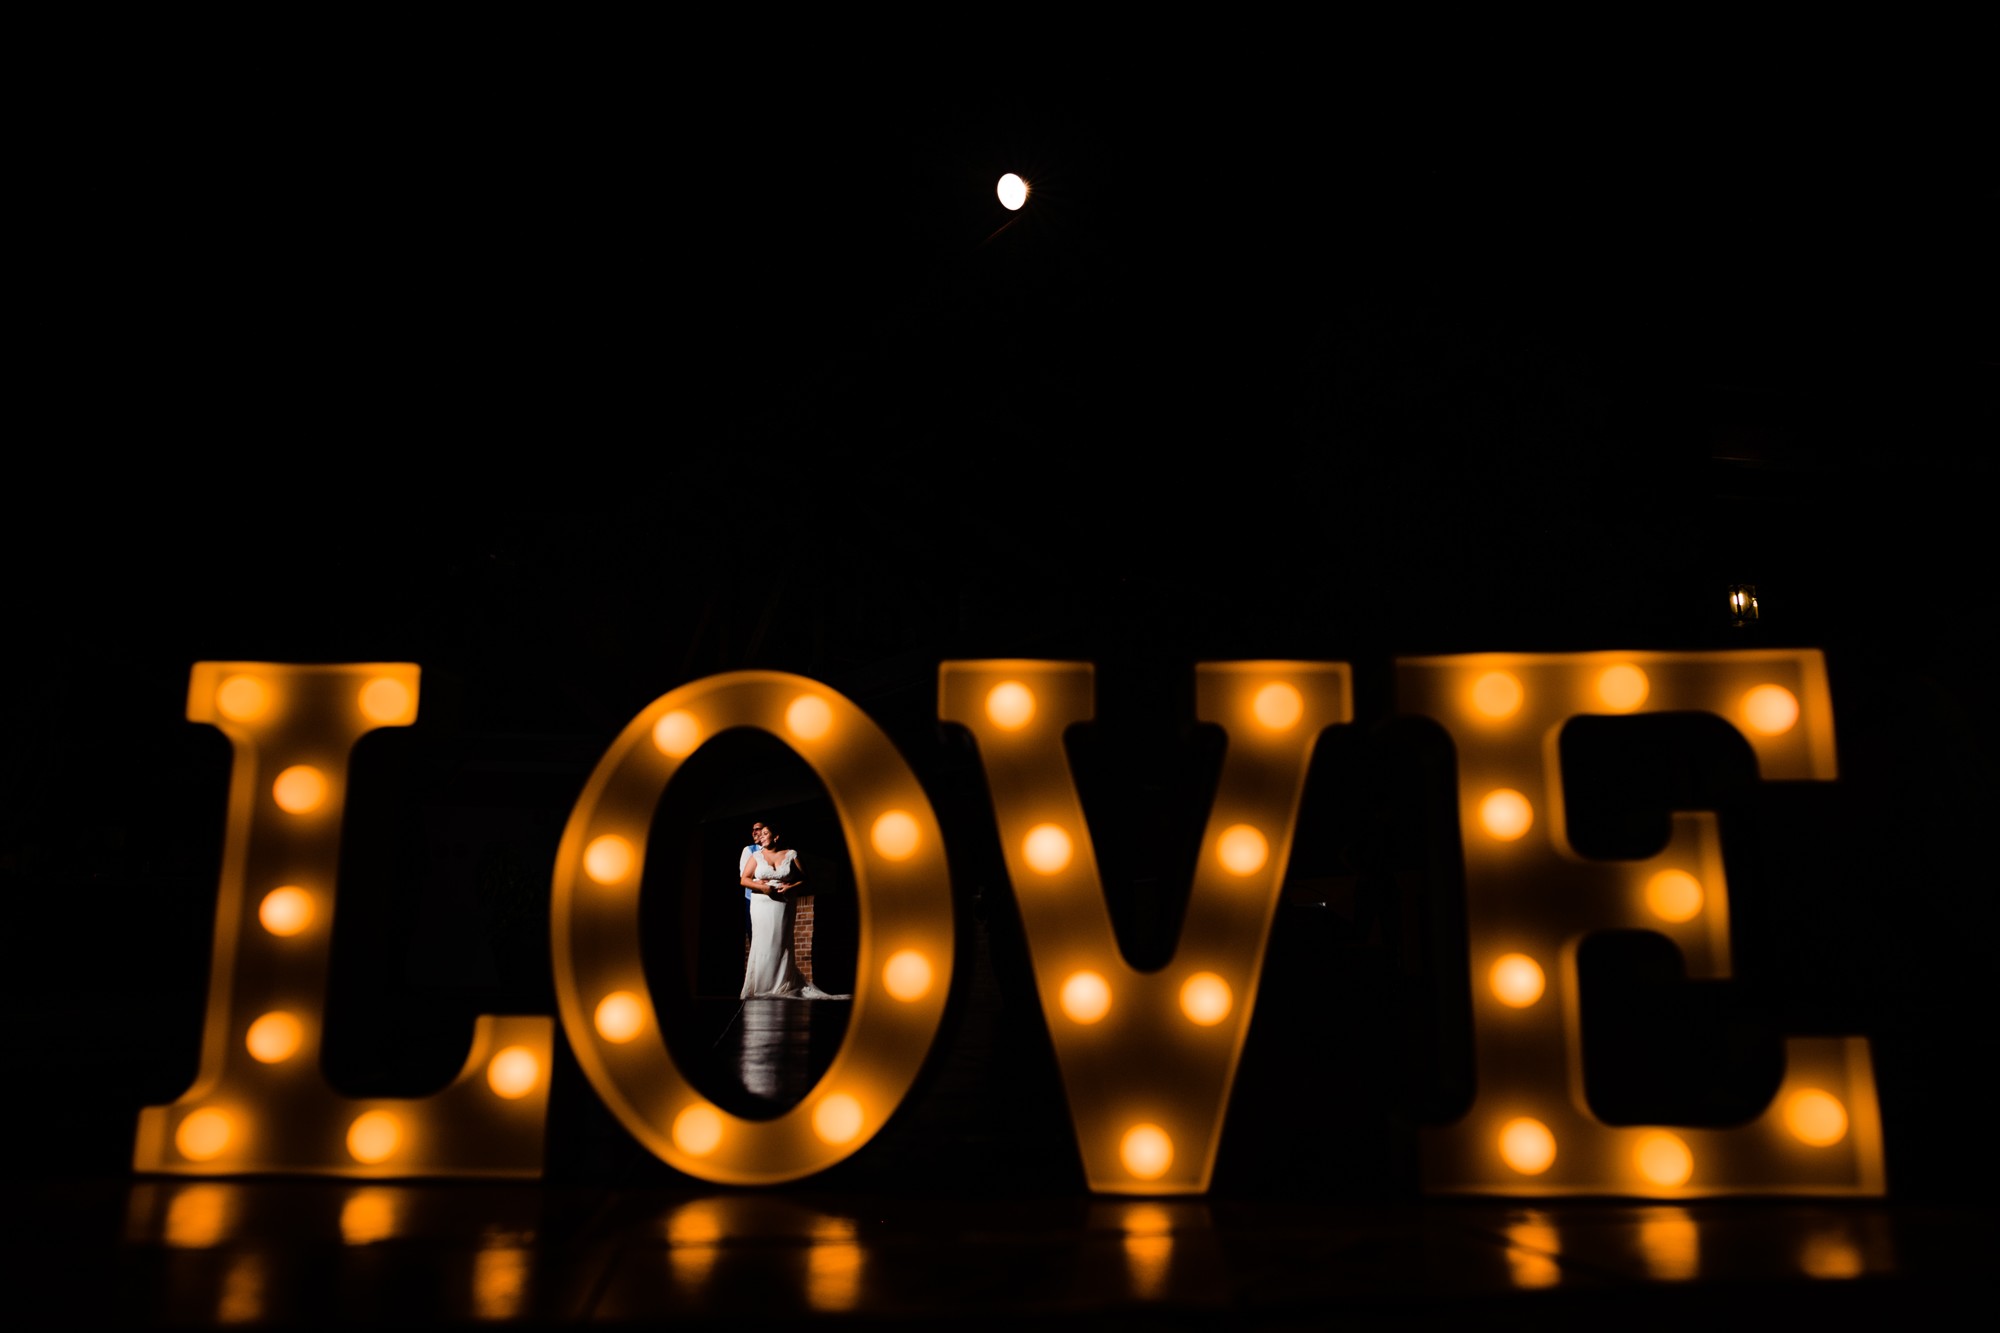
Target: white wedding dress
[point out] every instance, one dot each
(772, 975)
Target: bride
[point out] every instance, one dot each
(772, 875)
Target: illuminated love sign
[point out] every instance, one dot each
(1148, 1060)
(1531, 901)
(259, 1103)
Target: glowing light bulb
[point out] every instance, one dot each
(374, 1137)
(275, 1037)
(1086, 997)
(1816, 1117)
(203, 1135)
(1623, 688)
(1674, 895)
(286, 911)
(1047, 848)
(1205, 999)
(1527, 1146)
(300, 789)
(698, 1130)
(809, 718)
(837, 1119)
(895, 835)
(1664, 1159)
(1771, 710)
(907, 975)
(1497, 694)
(1146, 1151)
(677, 734)
(242, 698)
(1010, 705)
(1279, 706)
(1013, 192)
(1242, 850)
(608, 859)
(514, 1072)
(384, 699)
(620, 1016)
(1517, 980)
(1505, 814)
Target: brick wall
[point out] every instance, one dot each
(802, 937)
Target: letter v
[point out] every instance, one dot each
(1147, 1059)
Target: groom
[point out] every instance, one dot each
(749, 854)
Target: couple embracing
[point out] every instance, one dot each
(773, 881)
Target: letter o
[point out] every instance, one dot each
(905, 904)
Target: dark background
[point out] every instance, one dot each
(573, 389)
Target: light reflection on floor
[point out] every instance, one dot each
(499, 1283)
(1532, 1247)
(224, 1253)
(1671, 1244)
(1149, 1248)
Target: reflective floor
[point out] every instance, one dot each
(150, 1252)
(778, 1049)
